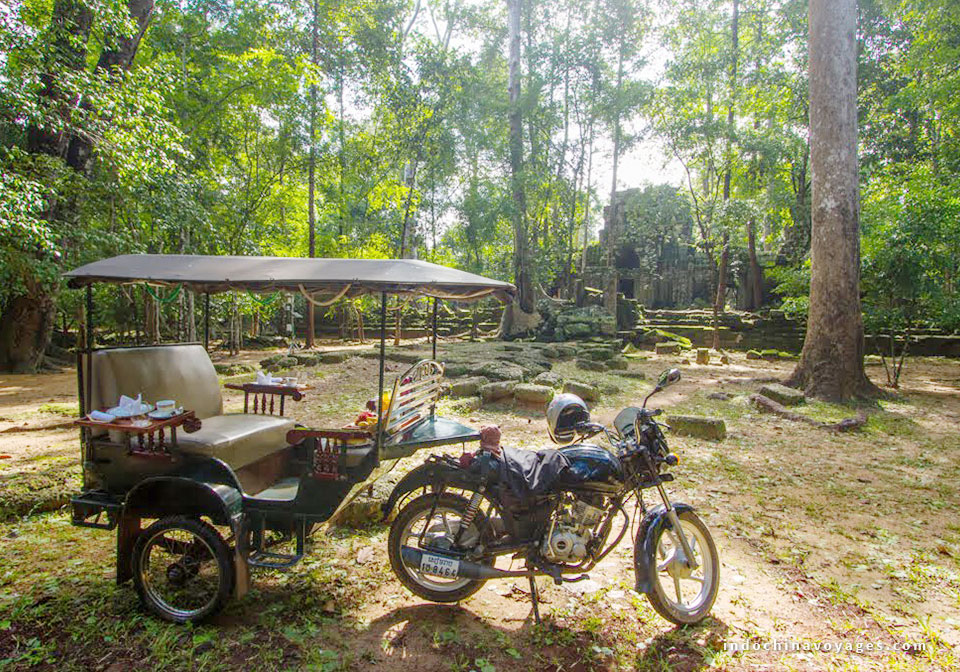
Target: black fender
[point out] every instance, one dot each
(183, 496)
(163, 496)
(644, 546)
(433, 473)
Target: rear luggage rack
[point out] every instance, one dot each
(90, 507)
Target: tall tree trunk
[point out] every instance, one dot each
(21, 345)
(720, 301)
(342, 144)
(25, 330)
(756, 271)
(151, 319)
(586, 205)
(116, 57)
(27, 319)
(610, 291)
(521, 316)
(312, 167)
(595, 90)
(731, 116)
(831, 364)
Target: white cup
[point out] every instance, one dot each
(167, 406)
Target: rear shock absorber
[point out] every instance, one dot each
(470, 514)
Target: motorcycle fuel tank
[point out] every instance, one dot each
(591, 467)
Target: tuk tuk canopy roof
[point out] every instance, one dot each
(320, 280)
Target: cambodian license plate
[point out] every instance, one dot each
(439, 566)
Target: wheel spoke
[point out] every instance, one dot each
(676, 586)
(176, 574)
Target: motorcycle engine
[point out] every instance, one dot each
(571, 532)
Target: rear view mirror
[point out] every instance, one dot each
(668, 377)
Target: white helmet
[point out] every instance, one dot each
(564, 413)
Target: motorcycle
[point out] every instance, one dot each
(444, 543)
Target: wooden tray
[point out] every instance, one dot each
(151, 439)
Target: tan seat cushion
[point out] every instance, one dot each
(238, 439)
(183, 373)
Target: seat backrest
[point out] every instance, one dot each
(415, 394)
(181, 372)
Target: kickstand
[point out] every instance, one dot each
(535, 598)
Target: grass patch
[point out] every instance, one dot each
(56, 408)
(45, 487)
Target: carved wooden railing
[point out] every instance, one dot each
(264, 397)
(328, 446)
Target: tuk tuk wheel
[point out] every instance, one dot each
(182, 569)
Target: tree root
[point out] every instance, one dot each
(16, 429)
(768, 405)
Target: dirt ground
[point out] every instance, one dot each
(848, 540)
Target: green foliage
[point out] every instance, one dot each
(910, 240)
(793, 285)
(203, 144)
(24, 235)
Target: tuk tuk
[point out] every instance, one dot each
(220, 486)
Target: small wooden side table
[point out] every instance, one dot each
(151, 438)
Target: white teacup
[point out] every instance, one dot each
(290, 382)
(167, 406)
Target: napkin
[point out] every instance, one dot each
(130, 406)
(267, 379)
(100, 416)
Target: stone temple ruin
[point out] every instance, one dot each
(647, 253)
(647, 281)
(658, 268)
(646, 275)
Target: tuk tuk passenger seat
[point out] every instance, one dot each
(184, 372)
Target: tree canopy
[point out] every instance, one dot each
(192, 127)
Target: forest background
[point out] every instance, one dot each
(362, 128)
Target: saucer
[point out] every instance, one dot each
(164, 415)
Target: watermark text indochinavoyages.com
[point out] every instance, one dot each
(837, 646)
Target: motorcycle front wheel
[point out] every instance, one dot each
(435, 521)
(679, 594)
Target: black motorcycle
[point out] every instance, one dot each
(444, 543)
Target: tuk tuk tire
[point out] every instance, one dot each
(223, 556)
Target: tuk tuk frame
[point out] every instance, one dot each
(202, 486)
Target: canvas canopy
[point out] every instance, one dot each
(321, 280)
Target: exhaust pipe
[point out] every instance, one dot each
(455, 567)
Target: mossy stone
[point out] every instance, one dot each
(585, 391)
(783, 394)
(530, 393)
(698, 426)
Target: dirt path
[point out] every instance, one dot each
(846, 539)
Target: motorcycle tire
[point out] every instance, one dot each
(420, 584)
(662, 601)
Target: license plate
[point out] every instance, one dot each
(439, 566)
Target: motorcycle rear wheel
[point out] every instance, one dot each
(406, 527)
(675, 596)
